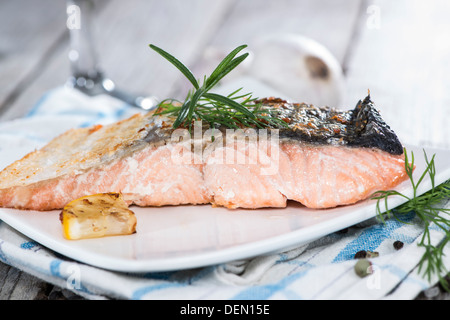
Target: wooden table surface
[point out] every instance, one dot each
(400, 50)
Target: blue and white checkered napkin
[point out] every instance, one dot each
(323, 269)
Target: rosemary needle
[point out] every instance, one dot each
(233, 111)
(427, 209)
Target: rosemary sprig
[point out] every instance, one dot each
(427, 210)
(232, 111)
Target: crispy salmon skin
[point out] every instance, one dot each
(324, 158)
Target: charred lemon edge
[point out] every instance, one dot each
(68, 217)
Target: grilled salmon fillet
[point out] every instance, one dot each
(324, 158)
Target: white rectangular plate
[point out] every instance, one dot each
(181, 237)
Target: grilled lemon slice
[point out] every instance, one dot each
(97, 215)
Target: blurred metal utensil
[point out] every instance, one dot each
(86, 75)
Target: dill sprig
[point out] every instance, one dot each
(235, 110)
(427, 209)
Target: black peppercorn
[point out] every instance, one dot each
(398, 245)
(361, 254)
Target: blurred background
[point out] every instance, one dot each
(322, 52)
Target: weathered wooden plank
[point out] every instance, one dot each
(328, 22)
(18, 285)
(401, 56)
(29, 30)
(8, 279)
(28, 287)
(180, 27)
(122, 32)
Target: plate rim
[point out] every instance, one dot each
(278, 243)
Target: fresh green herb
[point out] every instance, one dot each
(233, 111)
(426, 207)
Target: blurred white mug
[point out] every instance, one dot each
(298, 67)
